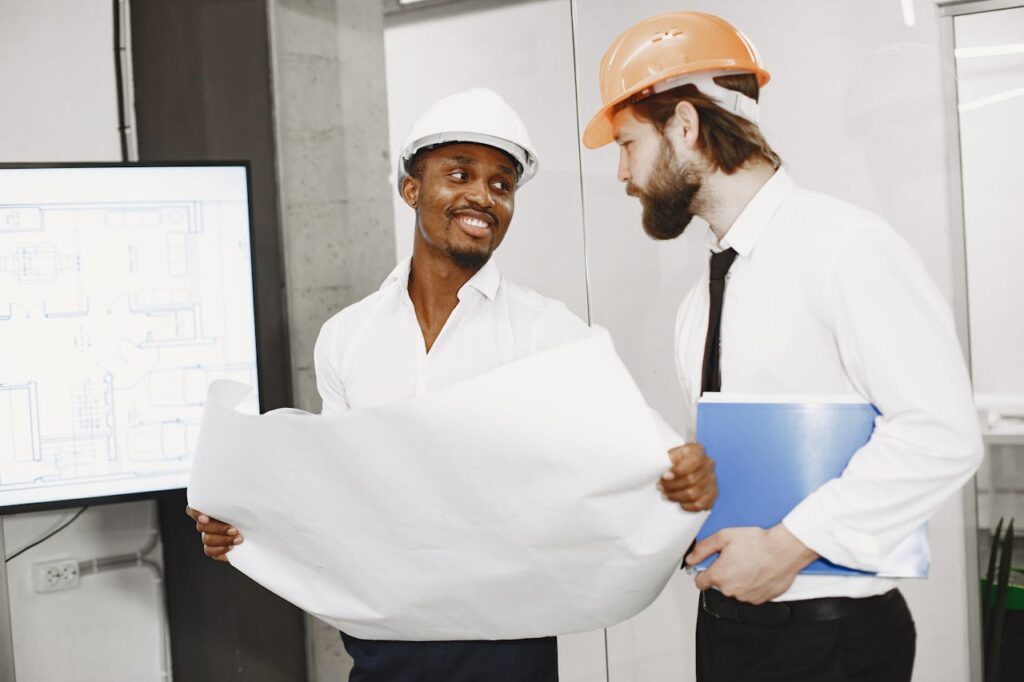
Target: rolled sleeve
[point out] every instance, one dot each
(897, 341)
(328, 379)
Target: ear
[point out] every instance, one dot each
(687, 123)
(411, 191)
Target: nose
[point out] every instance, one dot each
(623, 172)
(479, 193)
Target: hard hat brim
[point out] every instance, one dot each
(525, 158)
(599, 130)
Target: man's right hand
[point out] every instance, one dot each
(691, 481)
(218, 538)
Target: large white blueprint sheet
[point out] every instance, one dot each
(519, 503)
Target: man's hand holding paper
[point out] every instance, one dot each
(218, 537)
(690, 481)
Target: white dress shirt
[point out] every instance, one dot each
(373, 352)
(826, 298)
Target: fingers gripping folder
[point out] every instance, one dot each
(771, 452)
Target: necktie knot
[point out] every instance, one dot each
(721, 262)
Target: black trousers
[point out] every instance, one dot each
(875, 643)
(519, 660)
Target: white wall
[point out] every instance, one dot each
(855, 108)
(57, 80)
(990, 144)
(60, 104)
(990, 90)
(109, 628)
(522, 52)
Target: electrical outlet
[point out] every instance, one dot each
(54, 576)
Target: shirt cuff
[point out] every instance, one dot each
(812, 525)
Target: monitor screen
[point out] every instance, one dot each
(124, 291)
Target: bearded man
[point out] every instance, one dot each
(803, 294)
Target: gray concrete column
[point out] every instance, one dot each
(337, 222)
(331, 108)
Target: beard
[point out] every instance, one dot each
(668, 198)
(469, 259)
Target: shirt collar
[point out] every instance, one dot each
(747, 227)
(398, 276)
(485, 280)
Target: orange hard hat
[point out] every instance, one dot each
(668, 47)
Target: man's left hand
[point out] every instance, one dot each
(754, 565)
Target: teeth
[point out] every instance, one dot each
(473, 222)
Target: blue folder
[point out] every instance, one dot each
(769, 456)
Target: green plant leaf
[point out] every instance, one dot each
(988, 594)
(999, 608)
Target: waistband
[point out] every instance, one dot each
(718, 605)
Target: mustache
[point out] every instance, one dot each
(451, 213)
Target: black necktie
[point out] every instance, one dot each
(711, 372)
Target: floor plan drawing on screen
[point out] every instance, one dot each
(121, 303)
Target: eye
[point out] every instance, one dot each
(459, 175)
(501, 185)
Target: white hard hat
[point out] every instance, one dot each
(478, 116)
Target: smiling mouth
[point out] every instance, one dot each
(474, 223)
